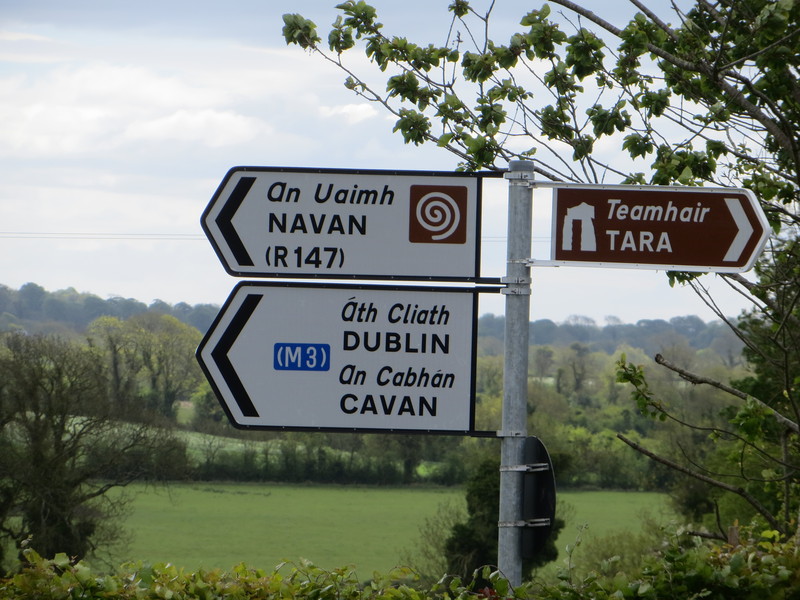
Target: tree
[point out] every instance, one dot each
(489, 375)
(150, 362)
(118, 345)
(30, 300)
(6, 298)
(714, 98)
(720, 86)
(209, 417)
(62, 449)
(472, 543)
(542, 361)
(166, 347)
(408, 451)
(757, 459)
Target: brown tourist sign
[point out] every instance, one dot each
(657, 227)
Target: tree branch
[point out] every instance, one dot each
(744, 494)
(709, 71)
(660, 52)
(699, 379)
(654, 18)
(708, 535)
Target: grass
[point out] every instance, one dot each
(220, 525)
(607, 512)
(594, 515)
(213, 525)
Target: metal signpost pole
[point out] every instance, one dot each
(515, 386)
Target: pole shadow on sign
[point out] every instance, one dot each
(538, 498)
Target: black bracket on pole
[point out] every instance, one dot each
(538, 497)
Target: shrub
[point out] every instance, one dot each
(760, 569)
(61, 579)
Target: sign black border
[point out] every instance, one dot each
(476, 277)
(475, 291)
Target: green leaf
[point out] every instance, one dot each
(492, 115)
(299, 30)
(536, 16)
(459, 8)
(444, 139)
(482, 150)
(406, 86)
(686, 176)
(637, 145)
(360, 16)
(61, 560)
(554, 123)
(657, 101)
(584, 54)
(500, 584)
(340, 39)
(582, 147)
(478, 67)
(413, 125)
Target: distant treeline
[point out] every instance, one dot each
(647, 334)
(33, 308)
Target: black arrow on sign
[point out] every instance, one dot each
(220, 354)
(224, 221)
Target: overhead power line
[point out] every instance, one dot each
(84, 235)
(106, 235)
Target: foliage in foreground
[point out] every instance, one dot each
(759, 569)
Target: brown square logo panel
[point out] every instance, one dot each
(438, 214)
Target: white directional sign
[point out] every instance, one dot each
(347, 357)
(288, 222)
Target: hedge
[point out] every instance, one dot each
(761, 569)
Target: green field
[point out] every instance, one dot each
(220, 525)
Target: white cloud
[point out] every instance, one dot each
(352, 113)
(19, 36)
(94, 108)
(123, 87)
(213, 128)
(217, 95)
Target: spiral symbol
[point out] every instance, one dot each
(438, 213)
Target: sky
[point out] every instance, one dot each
(120, 120)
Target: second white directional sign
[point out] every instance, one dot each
(327, 223)
(357, 358)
